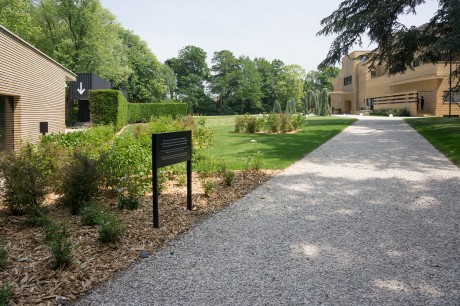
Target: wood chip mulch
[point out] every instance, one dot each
(29, 265)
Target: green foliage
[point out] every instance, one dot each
(290, 107)
(311, 101)
(129, 202)
(91, 214)
(191, 71)
(320, 79)
(24, 180)
(110, 229)
(322, 108)
(57, 238)
(274, 123)
(108, 107)
(81, 181)
(229, 175)
(143, 112)
(404, 112)
(277, 108)
(6, 291)
(38, 216)
(290, 84)
(92, 138)
(3, 253)
(209, 186)
(298, 121)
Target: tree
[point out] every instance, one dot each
(16, 16)
(192, 72)
(248, 92)
(81, 35)
(323, 102)
(148, 80)
(322, 78)
(398, 45)
(225, 79)
(290, 84)
(311, 101)
(269, 73)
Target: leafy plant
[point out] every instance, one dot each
(57, 238)
(110, 229)
(228, 177)
(24, 180)
(91, 214)
(81, 181)
(209, 186)
(38, 216)
(128, 202)
(3, 253)
(253, 161)
(6, 291)
(298, 121)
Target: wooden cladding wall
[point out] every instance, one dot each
(37, 85)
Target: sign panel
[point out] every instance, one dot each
(167, 149)
(172, 148)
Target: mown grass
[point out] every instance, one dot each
(278, 150)
(443, 133)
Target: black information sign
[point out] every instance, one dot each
(167, 149)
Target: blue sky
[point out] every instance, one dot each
(284, 30)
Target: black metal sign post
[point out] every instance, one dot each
(167, 149)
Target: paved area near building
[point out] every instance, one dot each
(369, 218)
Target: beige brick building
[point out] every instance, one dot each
(357, 90)
(32, 90)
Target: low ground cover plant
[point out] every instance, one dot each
(6, 291)
(57, 238)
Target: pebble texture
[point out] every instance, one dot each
(369, 218)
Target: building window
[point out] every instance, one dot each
(347, 80)
(455, 96)
(415, 63)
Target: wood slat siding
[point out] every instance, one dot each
(37, 84)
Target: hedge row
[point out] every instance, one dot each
(109, 107)
(142, 112)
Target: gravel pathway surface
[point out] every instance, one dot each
(369, 218)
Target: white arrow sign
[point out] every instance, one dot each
(81, 90)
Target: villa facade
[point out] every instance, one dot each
(358, 90)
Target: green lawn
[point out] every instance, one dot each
(443, 133)
(278, 150)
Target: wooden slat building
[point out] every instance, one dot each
(32, 90)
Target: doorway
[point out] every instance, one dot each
(346, 107)
(83, 111)
(2, 123)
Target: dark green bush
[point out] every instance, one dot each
(404, 112)
(228, 177)
(81, 181)
(251, 125)
(110, 229)
(128, 202)
(6, 291)
(108, 107)
(143, 112)
(3, 253)
(57, 238)
(92, 214)
(24, 180)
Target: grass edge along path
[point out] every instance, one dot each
(278, 150)
(442, 133)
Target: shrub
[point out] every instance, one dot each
(395, 112)
(57, 237)
(274, 123)
(108, 107)
(81, 181)
(3, 253)
(251, 126)
(228, 177)
(298, 121)
(129, 202)
(6, 291)
(209, 186)
(143, 112)
(109, 229)
(38, 217)
(24, 180)
(240, 124)
(91, 214)
(286, 123)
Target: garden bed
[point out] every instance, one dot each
(29, 264)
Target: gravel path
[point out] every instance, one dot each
(370, 218)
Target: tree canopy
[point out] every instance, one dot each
(438, 40)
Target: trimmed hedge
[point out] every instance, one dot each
(142, 112)
(108, 107)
